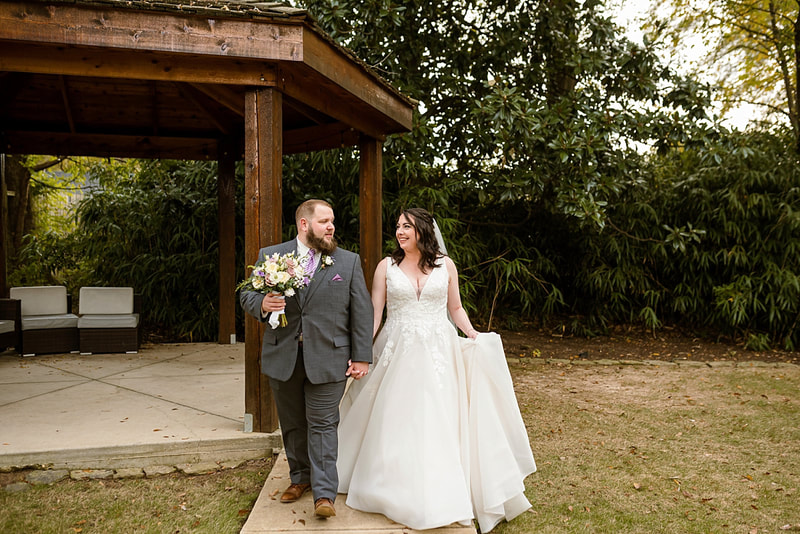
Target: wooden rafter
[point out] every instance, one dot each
(154, 114)
(307, 111)
(225, 96)
(62, 85)
(191, 93)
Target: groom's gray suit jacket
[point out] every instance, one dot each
(334, 314)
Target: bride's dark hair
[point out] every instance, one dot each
(422, 221)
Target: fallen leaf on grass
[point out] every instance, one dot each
(637, 486)
(244, 511)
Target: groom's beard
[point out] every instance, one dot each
(319, 244)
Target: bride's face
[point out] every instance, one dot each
(406, 234)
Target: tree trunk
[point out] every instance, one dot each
(796, 78)
(789, 84)
(18, 180)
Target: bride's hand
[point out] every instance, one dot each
(472, 333)
(357, 370)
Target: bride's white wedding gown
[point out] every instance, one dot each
(433, 434)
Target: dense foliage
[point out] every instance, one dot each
(753, 50)
(578, 181)
(151, 225)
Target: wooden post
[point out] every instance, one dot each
(3, 229)
(370, 201)
(226, 209)
(263, 156)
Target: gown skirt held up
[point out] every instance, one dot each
(433, 434)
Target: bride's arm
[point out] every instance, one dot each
(457, 312)
(378, 295)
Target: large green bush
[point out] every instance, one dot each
(707, 239)
(155, 229)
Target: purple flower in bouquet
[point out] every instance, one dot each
(278, 274)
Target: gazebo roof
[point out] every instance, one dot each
(167, 79)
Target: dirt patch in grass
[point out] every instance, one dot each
(660, 448)
(631, 344)
(702, 440)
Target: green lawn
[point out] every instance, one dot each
(620, 448)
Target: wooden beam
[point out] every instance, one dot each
(154, 104)
(226, 208)
(325, 137)
(155, 31)
(304, 85)
(134, 64)
(107, 145)
(306, 111)
(62, 85)
(369, 202)
(224, 95)
(189, 92)
(353, 76)
(12, 84)
(4, 234)
(263, 156)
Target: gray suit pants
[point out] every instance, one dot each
(309, 417)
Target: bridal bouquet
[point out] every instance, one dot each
(277, 274)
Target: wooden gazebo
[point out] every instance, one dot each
(199, 79)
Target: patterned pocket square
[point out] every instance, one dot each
(336, 278)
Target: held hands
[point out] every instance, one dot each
(272, 302)
(357, 370)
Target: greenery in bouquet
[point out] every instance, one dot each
(283, 274)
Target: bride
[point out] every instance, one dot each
(433, 434)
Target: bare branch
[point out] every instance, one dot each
(47, 164)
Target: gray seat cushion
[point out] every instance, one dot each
(115, 320)
(47, 322)
(6, 326)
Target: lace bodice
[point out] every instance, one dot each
(402, 303)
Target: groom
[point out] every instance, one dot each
(328, 338)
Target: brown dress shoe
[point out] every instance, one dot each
(324, 508)
(294, 492)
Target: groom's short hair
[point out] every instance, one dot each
(306, 209)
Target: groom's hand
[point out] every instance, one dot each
(357, 369)
(272, 302)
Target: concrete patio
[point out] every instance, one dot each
(166, 405)
(169, 405)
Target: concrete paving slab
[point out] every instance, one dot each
(94, 365)
(269, 515)
(110, 415)
(10, 393)
(209, 393)
(227, 359)
(75, 412)
(16, 370)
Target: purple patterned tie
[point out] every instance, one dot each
(311, 265)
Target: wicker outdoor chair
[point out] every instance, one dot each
(47, 324)
(109, 320)
(10, 324)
